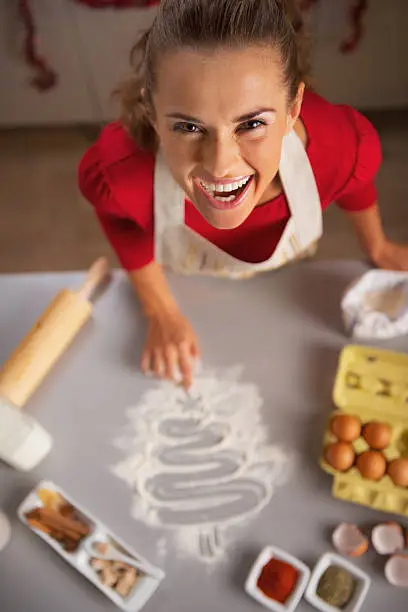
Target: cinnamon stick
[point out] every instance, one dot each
(52, 519)
(35, 524)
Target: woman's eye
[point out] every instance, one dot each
(187, 128)
(251, 125)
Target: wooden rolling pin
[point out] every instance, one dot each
(31, 361)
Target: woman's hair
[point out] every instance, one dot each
(210, 24)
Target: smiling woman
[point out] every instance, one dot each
(226, 137)
(223, 161)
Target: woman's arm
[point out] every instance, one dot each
(382, 252)
(358, 197)
(153, 291)
(171, 348)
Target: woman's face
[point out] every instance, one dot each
(221, 117)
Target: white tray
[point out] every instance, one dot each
(79, 559)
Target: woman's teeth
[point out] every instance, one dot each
(224, 198)
(226, 188)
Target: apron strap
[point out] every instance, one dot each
(301, 191)
(168, 204)
(299, 185)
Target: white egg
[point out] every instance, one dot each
(388, 538)
(349, 540)
(396, 571)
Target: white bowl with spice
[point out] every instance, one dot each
(336, 584)
(277, 569)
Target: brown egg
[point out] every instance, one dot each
(398, 472)
(340, 455)
(371, 465)
(377, 435)
(345, 427)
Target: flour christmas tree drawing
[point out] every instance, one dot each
(199, 463)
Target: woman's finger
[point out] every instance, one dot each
(186, 362)
(146, 362)
(195, 349)
(159, 363)
(172, 363)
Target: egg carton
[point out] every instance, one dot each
(149, 577)
(372, 385)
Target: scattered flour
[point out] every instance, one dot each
(199, 462)
(161, 549)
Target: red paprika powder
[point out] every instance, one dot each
(277, 580)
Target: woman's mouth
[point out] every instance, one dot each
(225, 195)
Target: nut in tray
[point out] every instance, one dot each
(88, 546)
(366, 440)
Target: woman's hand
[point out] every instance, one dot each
(383, 253)
(392, 256)
(171, 349)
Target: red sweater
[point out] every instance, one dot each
(116, 176)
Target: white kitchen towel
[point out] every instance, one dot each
(376, 305)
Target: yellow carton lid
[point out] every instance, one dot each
(373, 379)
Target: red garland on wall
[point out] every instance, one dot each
(46, 78)
(357, 12)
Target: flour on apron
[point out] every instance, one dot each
(181, 249)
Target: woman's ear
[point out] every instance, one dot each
(149, 110)
(295, 108)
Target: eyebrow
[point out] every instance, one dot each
(246, 117)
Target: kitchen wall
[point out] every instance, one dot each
(89, 49)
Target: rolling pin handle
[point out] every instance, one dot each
(97, 274)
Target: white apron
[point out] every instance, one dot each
(184, 251)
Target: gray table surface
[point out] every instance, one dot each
(286, 329)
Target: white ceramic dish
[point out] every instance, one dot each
(360, 593)
(268, 553)
(5, 530)
(146, 584)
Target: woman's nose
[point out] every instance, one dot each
(220, 156)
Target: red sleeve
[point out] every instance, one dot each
(360, 192)
(133, 244)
